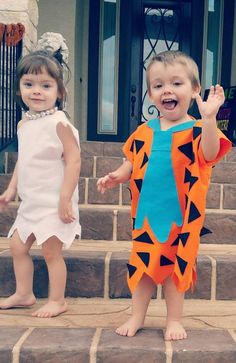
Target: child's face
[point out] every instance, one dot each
(39, 91)
(171, 90)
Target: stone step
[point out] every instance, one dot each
(98, 269)
(220, 196)
(97, 166)
(85, 334)
(113, 223)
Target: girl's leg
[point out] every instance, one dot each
(174, 304)
(52, 252)
(23, 269)
(140, 301)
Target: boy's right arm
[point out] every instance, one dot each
(120, 175)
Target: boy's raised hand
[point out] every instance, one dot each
(107, 182)
(209, 108)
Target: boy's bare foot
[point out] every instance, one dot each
(51, 309)
(129, 328)
(175, 331)
(17, 300)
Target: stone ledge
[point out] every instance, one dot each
(68, 345)
(87, 278)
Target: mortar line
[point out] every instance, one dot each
(221, 197)
(106, 275)
(18, 345)
(94, 166)
(169, 351)
(86, 191)
(213, 278)
(114, 232)
(94, 346)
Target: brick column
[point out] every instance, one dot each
(25, 12)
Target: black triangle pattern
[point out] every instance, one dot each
(186, 201)
(184, 237)
(132, 147)
(189, 178)
(176, 242)
(182, 264)
(145, 257)
(145, 160)
(164, 261)
(138, 145)
(193, 213)
(187, 150)
(144, 237)
(138, 183)
(204, 231)
(133, 219)
(131, 269)
(196, 132)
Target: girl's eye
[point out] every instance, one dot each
(46, 86)
(177, 83)
(27, 84)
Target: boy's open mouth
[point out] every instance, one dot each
(169, 104)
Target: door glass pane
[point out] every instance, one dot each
(213, 42)
(108, 66)
(161, 32)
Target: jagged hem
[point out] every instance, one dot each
(181, 286)
(40, 239)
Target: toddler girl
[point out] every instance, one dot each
(46, 179)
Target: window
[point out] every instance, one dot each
(108, 67)
(213, 34)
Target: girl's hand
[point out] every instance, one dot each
(7, 197)
(65, 211)
(109, 181)
(209, 108)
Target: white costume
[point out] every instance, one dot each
(40, 176)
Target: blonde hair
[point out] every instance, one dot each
(175, 56)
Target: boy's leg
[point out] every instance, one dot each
(140, 301)
(52, 252)
(23, 269)
(174, 304)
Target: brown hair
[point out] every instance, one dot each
(35, 63)
(175, 56)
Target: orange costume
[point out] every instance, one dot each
(168, 184)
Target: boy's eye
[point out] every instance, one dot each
(158, 85)
(177, 83)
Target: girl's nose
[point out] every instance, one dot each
(36, 90)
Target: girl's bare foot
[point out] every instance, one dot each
(51, 309)
(175, 331)
(17, 300)
(129, 328)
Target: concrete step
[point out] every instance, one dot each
(104, 222)
(98, 269)
(85, 334)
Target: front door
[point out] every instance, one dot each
(123, 38)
